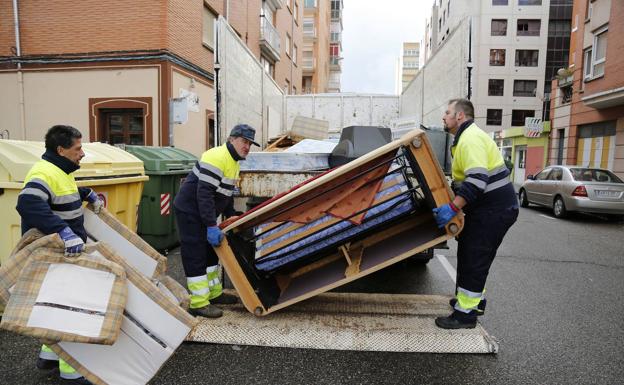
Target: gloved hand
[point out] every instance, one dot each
(95, 201)
(73, 243)
(214, 235)
(445, 213)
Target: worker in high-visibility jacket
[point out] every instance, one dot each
(205, 194)
(487, 197)
(51, 202)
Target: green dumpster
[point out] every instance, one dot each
(166, 167)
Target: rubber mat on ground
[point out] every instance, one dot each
(348, 321)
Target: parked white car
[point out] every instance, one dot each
(575, 188)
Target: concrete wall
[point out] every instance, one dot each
(342, 110)
(243, 86)
(444, 77)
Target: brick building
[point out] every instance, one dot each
(588, 107)
(111, 68)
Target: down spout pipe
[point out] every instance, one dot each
(20, 75)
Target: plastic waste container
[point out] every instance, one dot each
(116, 175)
(166, 168)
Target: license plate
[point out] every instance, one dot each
(607, 194)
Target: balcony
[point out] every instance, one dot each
(336, 14)
(335, 37)
(334, 62)
(309, 31)
(605, 99)
(308, 64)
(277, 4)
(269, 39)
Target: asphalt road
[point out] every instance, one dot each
(554, 303)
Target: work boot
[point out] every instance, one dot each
(208, 311)
(458, 320)
(43, 364)
(224, 299)
(480, 307)
(75, 381)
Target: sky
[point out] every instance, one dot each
(372, 39)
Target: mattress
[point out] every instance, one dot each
(393, 201)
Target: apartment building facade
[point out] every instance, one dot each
(588, 107)
(335, 46)
(316, 61)
(410, 62)
(113, 74)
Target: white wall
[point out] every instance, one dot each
(443, 77)
(248, 95)
(343, 110)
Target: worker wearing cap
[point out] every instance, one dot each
(51, 202)
(205, 194)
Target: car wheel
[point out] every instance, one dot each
(559, 208)
(524, 201)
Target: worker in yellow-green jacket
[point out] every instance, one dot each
(205, 194)
(51, 202)
(487, 197)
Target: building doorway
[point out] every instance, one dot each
(520, 164)
(123, 126)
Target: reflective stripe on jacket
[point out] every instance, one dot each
(208, 188)
(478, 169)
(50, 200)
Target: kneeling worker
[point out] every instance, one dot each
(205, 194)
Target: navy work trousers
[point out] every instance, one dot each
(197, 253)
(478, 242)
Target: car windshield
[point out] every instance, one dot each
(594, 175)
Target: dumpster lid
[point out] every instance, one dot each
(163, 158)
(101, 160)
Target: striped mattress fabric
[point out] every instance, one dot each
(57, 298)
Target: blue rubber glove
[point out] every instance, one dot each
(73, 243)
(214, 235)
(444, 214)
(95, 201)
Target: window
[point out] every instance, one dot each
(309, 3)
(566, 94)
(500, 2)
(208, 28)
(333, 50)
(556, 174)
(499, 27)
(594, 130)
(308, 27)
(529, 27)
(267, 66)
(494, 117)
(587, 63)
(529, 2)
(294, 90)
(287, 87)
(527, 57)
(497, 57)
(524, 87)
(600, 53)
(495, 87)
(543, 175)
(559, 28)
(288, 46)
(294, 53)
(588, 9)
(518, 117)
(296, 11)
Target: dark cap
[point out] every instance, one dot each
(244, 131)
